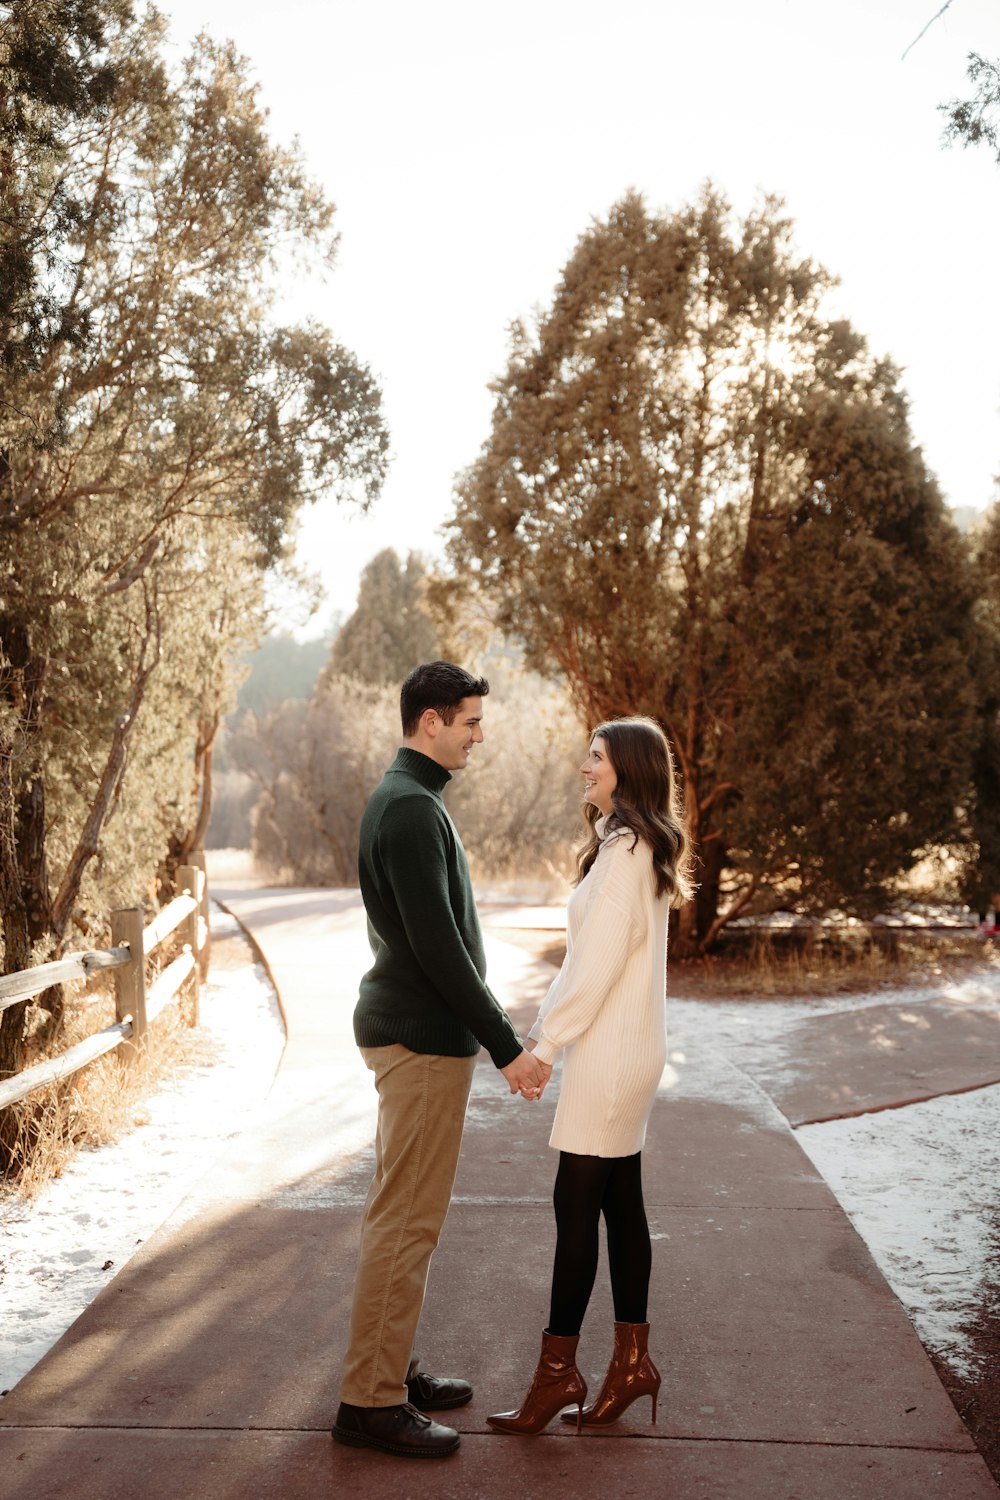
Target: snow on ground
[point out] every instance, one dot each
(57, 1253)
(720, 1022)
(920, 1186)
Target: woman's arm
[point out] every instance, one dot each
(613, 926)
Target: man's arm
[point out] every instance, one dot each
(413, 849)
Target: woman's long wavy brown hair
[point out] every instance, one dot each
(646, 801)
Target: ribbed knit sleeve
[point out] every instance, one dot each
(612, 927)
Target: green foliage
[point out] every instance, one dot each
(57, 73)
(976, 121)
(701, 500)
(390, 631)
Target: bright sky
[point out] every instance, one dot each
(467, 146)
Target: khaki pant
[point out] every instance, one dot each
(421, 1114)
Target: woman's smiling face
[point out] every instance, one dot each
(599, 779)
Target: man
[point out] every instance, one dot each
(423, 1012)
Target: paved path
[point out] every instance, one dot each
(830, 1067)
(208, 1368)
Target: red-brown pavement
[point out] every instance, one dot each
(209, 1367)
(852, 1062)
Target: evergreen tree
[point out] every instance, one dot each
(975, 121)
(981, 874)
(181, 432)
(281, 668)
(390, 631)
(59, 74)
(701, 499)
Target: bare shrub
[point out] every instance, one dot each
(316, 764)
(517, 806)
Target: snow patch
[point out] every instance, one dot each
(57, 1253)
(919, 1185)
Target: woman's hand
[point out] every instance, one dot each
(538, 1089)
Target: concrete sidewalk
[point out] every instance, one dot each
(209, 1366)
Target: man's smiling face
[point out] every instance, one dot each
(453, 742)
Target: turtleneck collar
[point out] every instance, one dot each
(419, 765)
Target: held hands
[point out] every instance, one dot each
(546, 1067)
(527, 1075)
(546, 1075)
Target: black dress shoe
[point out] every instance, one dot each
(394, 1429)
(435, 1392)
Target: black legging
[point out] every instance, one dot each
(586, 1187)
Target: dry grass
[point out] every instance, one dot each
(847, 962)
(844, 962)
(102, 1101)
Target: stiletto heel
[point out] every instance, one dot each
(654, 1395)
(631, 1374)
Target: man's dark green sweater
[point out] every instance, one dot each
(426, 988)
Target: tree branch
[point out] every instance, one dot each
(129, 573)
(927, 28)
(204, 751)
(727, 916)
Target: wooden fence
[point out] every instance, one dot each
(135, 1005)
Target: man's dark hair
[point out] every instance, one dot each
(439, 685)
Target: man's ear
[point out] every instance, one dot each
(430, 722)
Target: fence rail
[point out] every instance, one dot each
(135, 1007)
(29, 982)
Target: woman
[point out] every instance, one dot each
(606, 1008)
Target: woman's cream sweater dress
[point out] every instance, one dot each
(607, 1004)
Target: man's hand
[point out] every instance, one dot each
(526, 1075)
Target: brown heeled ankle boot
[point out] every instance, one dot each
(631, 1374)
(555, 1383)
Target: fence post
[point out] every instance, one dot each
(197, 858)
(189, 883)
(130, 980)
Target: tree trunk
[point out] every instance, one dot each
(198, 831)
(23, 889)
(180, 847)
(696, 923)
(16, 944)
(32, 859)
